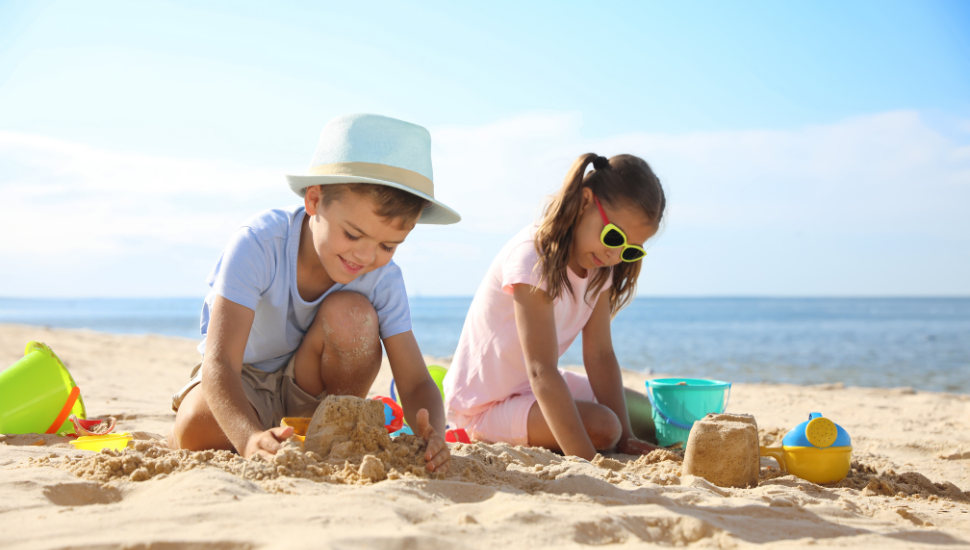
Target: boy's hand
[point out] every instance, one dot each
(633, 446)
(265, 444)
(437, 455)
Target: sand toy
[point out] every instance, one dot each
(94, 426)
(37, 394)
(679, 402)
(437, 373)
(98, 442)
(393, 414)
(299, 425)
(817, 450)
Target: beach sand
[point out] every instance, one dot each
(908, 488)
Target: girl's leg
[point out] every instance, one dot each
(602, 426)
(341, 352)
(641, 416)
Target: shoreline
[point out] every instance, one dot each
(911, 449)
(445, 361)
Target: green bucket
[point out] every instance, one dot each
(679, 402)
(37, 394)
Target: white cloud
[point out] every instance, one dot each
(63, 197)
(68, 207)
(873, 204)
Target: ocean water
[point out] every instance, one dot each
(880, 342)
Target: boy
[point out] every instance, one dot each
(302, 297)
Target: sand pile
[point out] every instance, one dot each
(347, 444)
(533, 469)
(907, 484)
(348, 431)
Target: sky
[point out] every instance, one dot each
(813, 149)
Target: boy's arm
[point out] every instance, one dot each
(229, 327)
(536, 324)
(420, 397)
(604, 373)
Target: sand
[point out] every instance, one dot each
(723, 449)
(908, 487)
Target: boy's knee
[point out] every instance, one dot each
(347, 317)
(605, 432)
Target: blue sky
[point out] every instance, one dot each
(816, 149)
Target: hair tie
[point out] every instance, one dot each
(600, 163)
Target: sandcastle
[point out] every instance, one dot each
(723, 449)
(343, 426)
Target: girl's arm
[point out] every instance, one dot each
(420, 397)
(535, 321)
(604, 373)
(228, 333)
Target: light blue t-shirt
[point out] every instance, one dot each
(258, 270)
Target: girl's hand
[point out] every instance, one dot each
(633, 446)
(437, 455)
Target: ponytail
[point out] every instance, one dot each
(554, 238)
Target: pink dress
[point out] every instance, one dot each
(487, 388)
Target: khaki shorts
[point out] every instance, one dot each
(273, 394)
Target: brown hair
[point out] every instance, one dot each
(624, 181)
(390, 203)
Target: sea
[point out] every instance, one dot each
(923, 343)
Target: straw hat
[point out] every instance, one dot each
(364, 148)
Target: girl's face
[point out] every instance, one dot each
(348, 237)
(588, 251)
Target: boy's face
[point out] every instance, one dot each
(349, 237)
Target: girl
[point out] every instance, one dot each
(571, 273)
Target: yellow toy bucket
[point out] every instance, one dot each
(37, 394)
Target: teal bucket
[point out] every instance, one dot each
(679, 402)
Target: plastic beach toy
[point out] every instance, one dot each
(437, 373)
(393, 414)
(299, 425)
(817, 450)
(37, 394)
(98, 442)
(679, 402)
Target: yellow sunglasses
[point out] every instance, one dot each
(614, 237)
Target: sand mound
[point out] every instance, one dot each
(356, 449)
(346, 443)
(907, 484)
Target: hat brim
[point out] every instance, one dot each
(437, 213)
